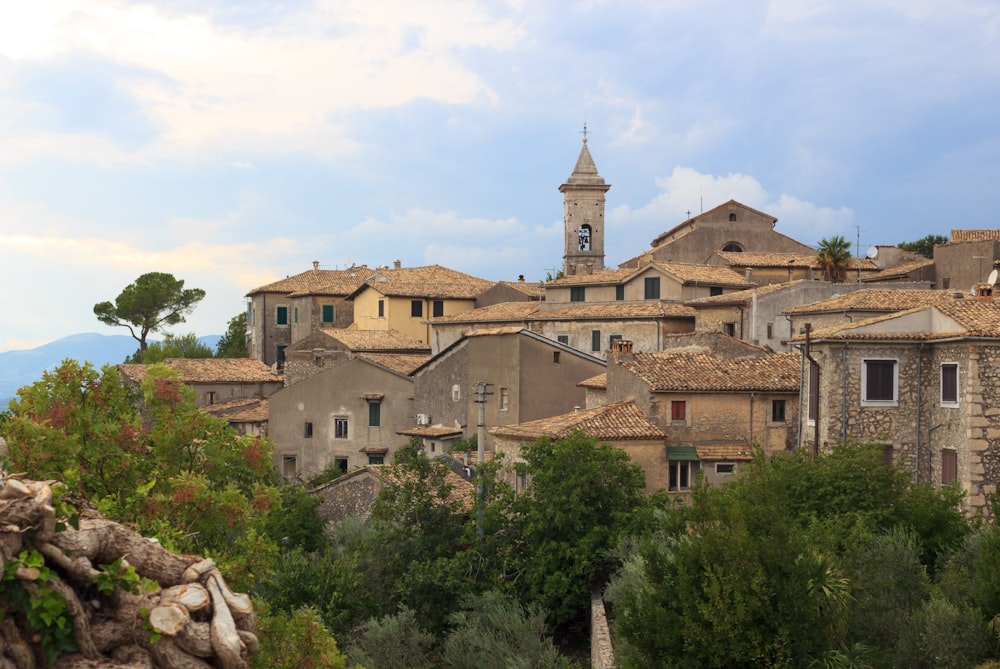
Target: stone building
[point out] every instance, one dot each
(328, 347)
(583, 216)
(966, 260)
(859, 304)
(669, 281)
(730, 227)
(713, 409)
(923, 382)
(346, 416)
(620, 424)
(216, 380)
(529, 377)
(766, 268)
(283, 312)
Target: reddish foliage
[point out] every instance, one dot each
(184, 495)
(167, 391)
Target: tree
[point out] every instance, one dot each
(233, 344)
(834, 256)
(154, 301)
(183, 346)
(924, 246)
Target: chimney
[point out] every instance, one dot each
(315, 265)
(396, 264)
(621, 349)
(520, 278)
(984, 292)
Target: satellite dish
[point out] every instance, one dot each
(993, 278)
(872, 252)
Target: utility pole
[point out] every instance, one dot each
(481, 393)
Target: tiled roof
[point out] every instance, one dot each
(740, 296)
(793, 260)
(462, 492)
(975, 235)
(319, 281)
(716, 275)
(702, 372)
(429, 282)
(967, 318)
(723, 452)
(533, 289)
(874, 299)
(494, 332)
(211, 370)
(430, 432)
(402, 363)
(241, 411)
(617, 421)
(899, 271)
(604, 276)
(503, 312)
(614, 311)
(599, 382)
(375, 340)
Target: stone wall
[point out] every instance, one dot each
(602, 652)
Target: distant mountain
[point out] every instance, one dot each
(22, 367)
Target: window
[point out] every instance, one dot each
(289, 466)
(595, 340)
(949, 384)
(563, 339)
(813, 391)
(282, 315)
(777, 411)
(725, 467)
(438, 308)
(577, 294)
(652, 288)
(680, 474)
(555, 357)
(887, 455)
(729, 329)
(381, 308)
(946, 283)
(583, 237)
(714, 290)
(949, 465)
(732, 216)
(295, 315)
(619, 293)
(456, 393)
(770, 330)
(678, 410)
(308, 432)
(340, 463)
(280, 356)
(327, 313)
(504, 399)
(340, 428)
(210, 397)
(878, 383)
(416, 308)
(732, 247)
(376, 459)
(374, 414)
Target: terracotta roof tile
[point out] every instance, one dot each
(497, 313)
(462, 492)
(375, 340)
(211, 370)
(599, 382)
(735, 452)
(402, 363)
(975, 235)
(739, 296)
(533, 289)
(241, 411)
(617, 421)
(874, 299)
(430, 432)
(319, 281)
(899, 271)
(704, 274)
(793, 260)
(429, 282)
(614, 311)
(604, 276)
(702, 372)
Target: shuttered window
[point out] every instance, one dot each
(949, 466)
(949, 383)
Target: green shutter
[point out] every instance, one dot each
(595, 340)
(327, 313)
(374, 414)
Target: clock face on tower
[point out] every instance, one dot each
(583, 234)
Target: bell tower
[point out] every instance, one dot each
(583, 216)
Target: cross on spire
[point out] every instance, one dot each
(584, 132)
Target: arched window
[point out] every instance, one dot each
(732, 247)
(583, 236)
(732, 217)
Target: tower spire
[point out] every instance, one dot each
(583, 217)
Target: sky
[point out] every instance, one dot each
(233, 142)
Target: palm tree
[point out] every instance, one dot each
(833, 257)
